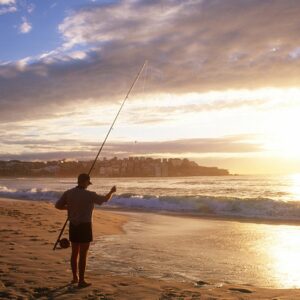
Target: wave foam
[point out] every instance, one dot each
(29, 194)
(208, 205)
(259, 208)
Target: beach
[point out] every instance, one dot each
(30, 269)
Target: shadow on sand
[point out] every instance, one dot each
(68, 290)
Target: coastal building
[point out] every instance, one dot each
(114, 167)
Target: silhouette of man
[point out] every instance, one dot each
(80, 204)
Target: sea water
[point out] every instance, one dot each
(184, 246)
(194, 249)
(261, 197)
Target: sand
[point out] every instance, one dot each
(30, 269)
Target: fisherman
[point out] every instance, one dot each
(80, 204)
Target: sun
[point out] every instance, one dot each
(282, 134)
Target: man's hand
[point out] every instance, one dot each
(113, 189)
(109, 195)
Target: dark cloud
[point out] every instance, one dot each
(192, 46)
(46, 156)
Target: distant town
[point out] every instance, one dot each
(114, 167)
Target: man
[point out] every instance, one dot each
(80, 204)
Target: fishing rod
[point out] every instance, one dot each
(104, 141)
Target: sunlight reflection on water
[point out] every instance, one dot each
(284, 251)
(294, 188)
(192, 249)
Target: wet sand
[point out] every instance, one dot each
(30, 269)
(185, 248)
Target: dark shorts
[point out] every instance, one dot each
(81, 233)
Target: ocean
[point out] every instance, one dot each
(166, 238)
(259, 197)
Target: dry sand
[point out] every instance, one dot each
(30, 269)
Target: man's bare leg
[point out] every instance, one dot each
(74, 260)
(83, 251)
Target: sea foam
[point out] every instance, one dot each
(259, 208)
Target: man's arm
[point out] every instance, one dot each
(101, 199)
(62, 202)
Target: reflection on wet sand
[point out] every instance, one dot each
(284, 250)
(159, 246)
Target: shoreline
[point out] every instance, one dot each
(29, 268)
(224, 218)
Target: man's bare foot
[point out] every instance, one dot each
(83, 284)
(75, 280)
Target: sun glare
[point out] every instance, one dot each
(281, 133)
(294, 189)
(284, 251)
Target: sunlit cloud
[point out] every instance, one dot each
(7, 2)
(251, 58)
(217, 69)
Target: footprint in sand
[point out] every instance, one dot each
(201, 283)
(6, 230)
(29, 281)
(169, 295)
(96, 294)
(17, 232)
(51, 277)
(123, 284)
(23, 290)
(5, 295)
(8, 283)
(41, 292)
(241, 290)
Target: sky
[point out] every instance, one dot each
(221, 85)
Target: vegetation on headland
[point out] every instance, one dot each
(114, 167)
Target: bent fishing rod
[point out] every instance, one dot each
(104, 141)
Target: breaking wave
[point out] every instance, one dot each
(259, 208)
(29, 194)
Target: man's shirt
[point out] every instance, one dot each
(80, 204)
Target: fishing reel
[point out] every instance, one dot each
(64, 243)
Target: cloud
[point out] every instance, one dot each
(218, 44)
(7, 6)
(30, 8)
(234, 144)
(7, 2)
(25, 27)
(72, 148)
(6, 10)
(192, 46)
